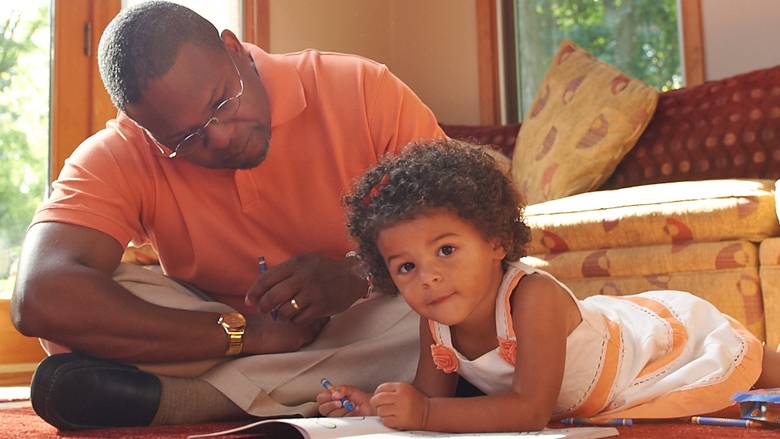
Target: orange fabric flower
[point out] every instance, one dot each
(507, 350)
(444, 358)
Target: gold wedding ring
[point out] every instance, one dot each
(294, 304)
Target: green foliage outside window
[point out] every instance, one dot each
(639, 37)
(24, 127)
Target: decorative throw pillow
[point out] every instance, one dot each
(585, 117)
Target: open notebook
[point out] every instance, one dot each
(371, 427)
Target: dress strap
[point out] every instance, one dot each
(434, 331)
(504, 325)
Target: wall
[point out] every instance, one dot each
(431, 45)
(739, 36)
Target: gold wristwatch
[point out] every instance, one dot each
(234, 324)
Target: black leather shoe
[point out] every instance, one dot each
(78, 392)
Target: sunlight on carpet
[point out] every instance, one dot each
(10, 394)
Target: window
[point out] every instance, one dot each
(639, 37)
(224, 14)
(35, 142)
(24, 124)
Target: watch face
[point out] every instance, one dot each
(233, 319)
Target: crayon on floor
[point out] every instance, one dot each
(596, 421)
(344, 401)
(726, 422)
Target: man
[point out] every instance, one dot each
(221, 154)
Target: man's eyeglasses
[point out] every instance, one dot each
(224, 111)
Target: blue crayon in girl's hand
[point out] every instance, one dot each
(263, 267)
(344, 401)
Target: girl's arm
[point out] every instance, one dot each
(431, 381)
(405, 406)
(543, 316)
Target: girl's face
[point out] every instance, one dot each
(443, 266)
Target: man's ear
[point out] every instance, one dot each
(233, 44)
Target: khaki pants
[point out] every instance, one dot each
(374, 341)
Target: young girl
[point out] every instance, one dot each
(444, 226)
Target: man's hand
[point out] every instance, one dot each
(331, 406)
(320, 286)
(401, 406)
(265, 336)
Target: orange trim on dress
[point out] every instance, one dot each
(443, 357)
(434, 334)
(679, 333)
(510, 327)
(599, 396)
(705, 399)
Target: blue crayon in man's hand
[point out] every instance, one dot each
(261, 261)
(263, 267)
(344, 401)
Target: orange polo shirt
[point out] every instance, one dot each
(332, 115)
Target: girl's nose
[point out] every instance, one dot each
(430, 275)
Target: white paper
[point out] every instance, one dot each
(371, 427)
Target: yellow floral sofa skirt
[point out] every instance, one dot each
(703, 237)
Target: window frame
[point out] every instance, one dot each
(80, 105)
(493, 112)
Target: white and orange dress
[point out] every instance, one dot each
(659, 354)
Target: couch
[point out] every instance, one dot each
(689, 206)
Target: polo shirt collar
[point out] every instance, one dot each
(282, 83)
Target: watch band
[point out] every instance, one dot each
(234, 325)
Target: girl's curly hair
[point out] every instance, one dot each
(430, 175)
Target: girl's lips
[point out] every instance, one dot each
(441, 300)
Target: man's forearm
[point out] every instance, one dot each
(65, 293)
(89, 312)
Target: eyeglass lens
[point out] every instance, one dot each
(224, 112)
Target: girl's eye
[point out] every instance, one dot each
(446, 250)
(405, 268)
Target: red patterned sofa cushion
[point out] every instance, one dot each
(721, 129)
(502, 137)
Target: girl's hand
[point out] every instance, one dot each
(331, 406)
(401, 406)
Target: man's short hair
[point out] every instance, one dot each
(142, 42)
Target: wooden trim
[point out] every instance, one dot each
(103, 109)
(69, 94)
(693, 45)
(509, 38)
(692, 50)
(18, 354)
(80, 106)
(487, 59)
(256, 23)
